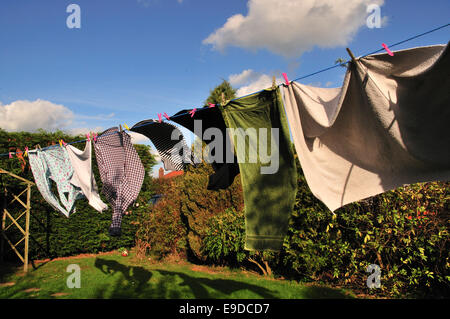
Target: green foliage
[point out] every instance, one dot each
(178, 223)
(404, 231)
(225, 238)
(51, 233)
(215, 95)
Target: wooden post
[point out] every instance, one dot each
(14, 221)
(27, 228)
(2, 247)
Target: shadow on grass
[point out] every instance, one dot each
(137, 283)
(9, 268)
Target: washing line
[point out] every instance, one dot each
(297, 79)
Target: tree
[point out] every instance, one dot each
(215, 95)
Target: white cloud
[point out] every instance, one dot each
(23, 115)
(250, 81)
(291, 27)
(243, 78)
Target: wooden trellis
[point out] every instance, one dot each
(7, 215)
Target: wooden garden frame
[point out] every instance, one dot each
(14, 220)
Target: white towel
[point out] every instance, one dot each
(387, 126)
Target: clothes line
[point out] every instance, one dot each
(282, 84)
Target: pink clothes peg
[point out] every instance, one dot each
(160, 118)
(166, 116)
(286, 79)
(193, 112)
(387, 49)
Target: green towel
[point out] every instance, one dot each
(268, 174)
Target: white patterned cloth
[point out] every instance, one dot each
(53, 164)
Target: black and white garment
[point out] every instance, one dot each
(121, 172)
(224, 171)
(168, 141)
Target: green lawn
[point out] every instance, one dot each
(114, 276)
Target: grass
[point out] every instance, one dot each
(113, 276)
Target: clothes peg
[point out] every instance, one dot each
(274, 84)
(351, 55)
(120, 128)
(94, 135)
(126, 126)
(211, 105)
(387, 49)
(166, 116)
(159, 117)
(26, 151)
(193, 112)
(286, 79)
(10, 155)
(88, 138)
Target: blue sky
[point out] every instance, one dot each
(133, 59)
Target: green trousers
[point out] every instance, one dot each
(259, 130)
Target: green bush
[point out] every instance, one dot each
(404, 231)
(225, 238)
(389, 230)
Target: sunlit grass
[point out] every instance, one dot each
(114, 276)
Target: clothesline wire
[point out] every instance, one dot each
(297, 79)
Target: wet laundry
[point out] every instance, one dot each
(168, 141)
(121, 172)
(53, 164)
(269, 178)
(385, 127)
(83, 175)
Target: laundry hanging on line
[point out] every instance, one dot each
(168, 141)
(385, 127)
(83, 175)
(54, 165)
(121, 172)
(224, 170)
(269, 198)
